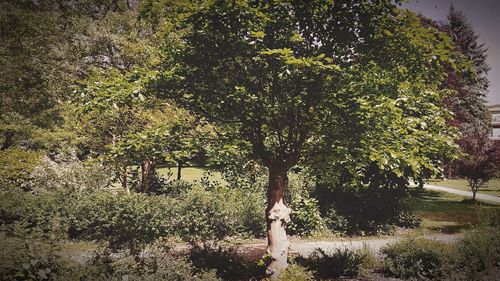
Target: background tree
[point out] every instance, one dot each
(127, 127)
(36, 68)
(289, 75)
(47, 45)
(481, 161)
(468, 101)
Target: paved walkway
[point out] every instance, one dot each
(481, 197)
(255, 251)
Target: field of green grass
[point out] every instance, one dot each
(191, 174)
(492, 187)
(448, 213)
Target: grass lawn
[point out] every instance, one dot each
(449, 213)
(191, 174)
(492, 187)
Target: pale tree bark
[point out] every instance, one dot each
(277, 216)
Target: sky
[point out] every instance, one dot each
(484, 16)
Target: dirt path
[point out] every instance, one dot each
(479, 196)
(255, 251)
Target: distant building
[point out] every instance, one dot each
(495, 121)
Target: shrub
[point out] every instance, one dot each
(295, 272)
(202, 216)
(248, 211)
(13, 205)
(27, 257)
(342, 262)
(46, 214)
(226, 263)
(419, 259)
(33, 259)
(365, 210)
(336, 222)
(173, 188)
(128, 221)
(305, 217)
(479, 251)
(66, 172)
(16, 166)
(160, 264)
(124, 221)
(218, 213)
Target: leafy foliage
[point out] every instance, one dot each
(365, 211)
(16, 166)
(66, 172)
(481, 161)
(479, 251)
(418, 259)
(341, 262)
(226, 262)
(125, 222)
(306, 218)
(35, 259)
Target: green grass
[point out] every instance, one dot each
(191, 174)
(492, 187)
(447, 213)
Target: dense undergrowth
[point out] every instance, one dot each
(55, 201)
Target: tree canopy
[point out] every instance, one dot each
(348, 87)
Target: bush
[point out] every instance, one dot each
(249, 213)
(218, 213)
(295, 272)
(305, 217)
(173, 188)
(365, 210)
(130, 221)
(419, 259)
(203, 216)
(66, 172)
(226, 263)
(124, 221)
(28, 259)
(33, 259)
(16, 166)
(479, 251)
(336, 222)
(46, 214)
(342, 262)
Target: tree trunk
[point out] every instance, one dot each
(179, 169)
(277, 216)
(421, 183)
(8, 140)
(124, 181)
(148, 174)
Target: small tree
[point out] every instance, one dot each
(292, 75)
(480, 162)
(122, 125)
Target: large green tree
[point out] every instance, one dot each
(292, 76)
(46, 45)
(468, 102)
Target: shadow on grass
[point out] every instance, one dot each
(448, 213)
